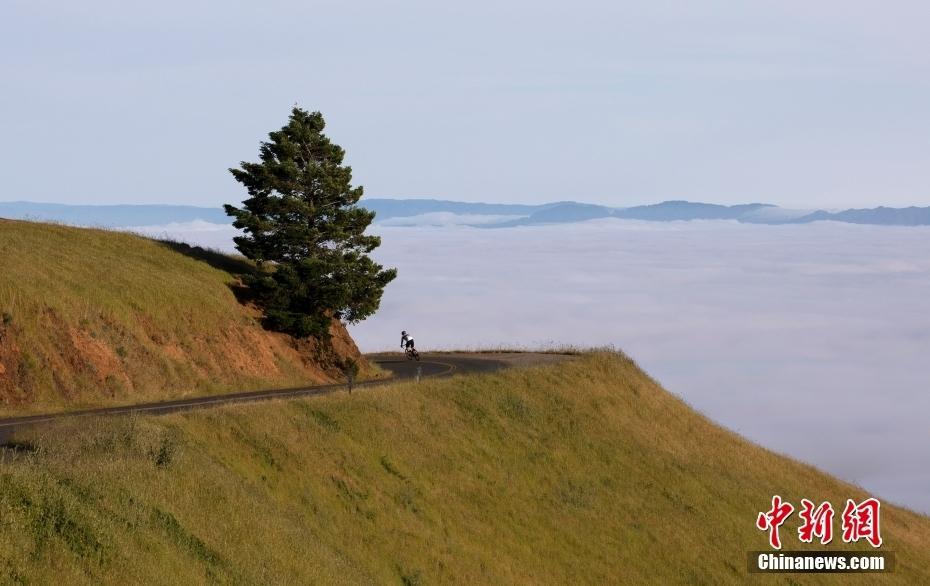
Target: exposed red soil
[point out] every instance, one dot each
(95, 361)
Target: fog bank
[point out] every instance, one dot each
(811, 340)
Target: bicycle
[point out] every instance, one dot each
(412, 354)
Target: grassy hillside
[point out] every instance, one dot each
(91, 317)
(585, 471)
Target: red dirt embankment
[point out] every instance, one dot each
(100, 362)
(96, 318)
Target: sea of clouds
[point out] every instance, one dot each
(812, 340)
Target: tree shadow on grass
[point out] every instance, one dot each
(17, 446)
(237, 266)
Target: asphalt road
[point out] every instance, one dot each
(436, 364)
(401, 368)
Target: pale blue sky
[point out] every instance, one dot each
(803, 104)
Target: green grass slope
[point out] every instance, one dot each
(585, 471)
(94, 317)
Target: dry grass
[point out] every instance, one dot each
(585, 471)
(93, 317)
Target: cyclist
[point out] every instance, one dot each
(406, 341)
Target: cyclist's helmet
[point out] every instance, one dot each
(403, 333)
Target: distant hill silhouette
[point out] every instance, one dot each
(669, 211)
(563, 212)
(686, 210)
(560, 213)
(912, 216)
(402, 208)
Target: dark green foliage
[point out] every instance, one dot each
(321, 418)
(51, 518)
(162, 454)
(301, 217)
(409, 579)
(351, 368)
(181, 536)
(392, 470)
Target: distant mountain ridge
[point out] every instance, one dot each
(414, 212)
(668, 211)
(912, 216)
(686, 210)
(403, 208)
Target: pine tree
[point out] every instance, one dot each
(303, 228)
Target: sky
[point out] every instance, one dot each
(808, 339)
(801, 104)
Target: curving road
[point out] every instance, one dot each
(436, 364)
(401, 368)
